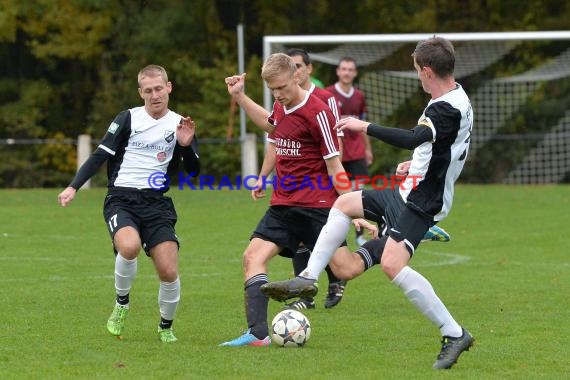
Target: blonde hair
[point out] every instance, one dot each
(276, 64)
(152, 71)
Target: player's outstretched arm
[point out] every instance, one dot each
(401, 138)
(256, 113)
(86, 171)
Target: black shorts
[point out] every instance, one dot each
(288, 226)
(402, 222)
(355, 167)
(150, 212)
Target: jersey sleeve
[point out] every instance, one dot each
(333, 105)
(272, 119)
(402, 138)
(117, 134)
(89, 168)
(443, 118)
(324, 132)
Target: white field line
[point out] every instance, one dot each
(441, 259)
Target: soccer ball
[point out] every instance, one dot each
(290, 328)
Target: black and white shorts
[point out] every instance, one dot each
(403, 223)
(287, 226)
(148, 211)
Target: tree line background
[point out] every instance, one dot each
(69, 66)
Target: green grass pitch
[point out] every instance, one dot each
(505, 276)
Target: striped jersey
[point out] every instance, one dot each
(304, 138)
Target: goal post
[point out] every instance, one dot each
(517, 82)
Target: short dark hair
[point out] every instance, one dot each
(347, 58)
(436, 53)
(297, 52)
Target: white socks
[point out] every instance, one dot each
(330, 238)
(125, 271)
(168, 297)
(420, 292)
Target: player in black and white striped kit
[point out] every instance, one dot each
(440, 142)
(141, 145)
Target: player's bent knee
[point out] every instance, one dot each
(349, 203)
(347, 267)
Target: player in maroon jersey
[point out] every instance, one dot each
(301, 257)
(305, 147)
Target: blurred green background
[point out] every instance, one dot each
(68, 67)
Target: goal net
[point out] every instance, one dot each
(518, 83)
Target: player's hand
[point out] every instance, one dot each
(185, 131)
(235, 84)
(360, 223)
(259, 191)
(352, 124)
(403, 168)
(66, 196)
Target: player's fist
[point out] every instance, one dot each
(66, 196)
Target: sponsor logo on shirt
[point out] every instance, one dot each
(113, 128)
(287, 147)
(169, 136)
(143, 145)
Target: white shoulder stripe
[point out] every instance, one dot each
(334, 108)
(326, 131)
(111, 152)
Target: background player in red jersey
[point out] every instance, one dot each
(357, 154)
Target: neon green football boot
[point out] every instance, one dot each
(116, 322)
(166, 335)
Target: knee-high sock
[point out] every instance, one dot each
(168, 298)
(300, 259)
(332, 235)
(420, 292)
(256, 305)
(331, 276)
(125, 272)
(371, 251)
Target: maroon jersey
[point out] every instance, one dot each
(328, 98)
(351, 104)
(304, 137)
